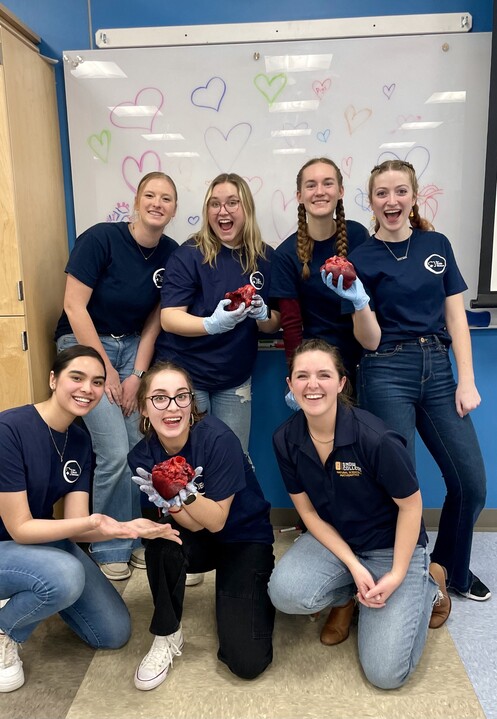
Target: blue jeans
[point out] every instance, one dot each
(113, 435)
(411, 386)
(233, 406)
(58, 577)
(309, 578)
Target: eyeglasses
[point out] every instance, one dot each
(162, 401)
(230, 205)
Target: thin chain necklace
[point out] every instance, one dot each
(132, 232)
(61, 454)
(321, 441)
(399, 259)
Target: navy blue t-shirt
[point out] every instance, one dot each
(30, 461)
(126, 286)
(226, 470)
(408, 296)
(215, 362)
(320, 308)
(353, 491)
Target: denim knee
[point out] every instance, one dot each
(386, 674)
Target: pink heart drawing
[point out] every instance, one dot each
(150, 98)
(255, 183)
(225, 149)
(388, 90)
(347, 165)
(209, 96)
(356, 118)
(133, 169)
(321, 88)
(100, 145)
(284, 214)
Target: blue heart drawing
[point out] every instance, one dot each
(323, 135)
(193, 219)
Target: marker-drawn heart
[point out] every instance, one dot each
(428, 204)
(321, 88)
(402, 119)
(150, 97)
(133, 169)
(209, 96)
(418, 156)
(347, 165)
(255, 183)
(100, 145)
(193, 219)
(284, 214)
(270, 87)
(388, 90)
(361, 199)
(290, 140)
(323, 135)
(225, 149)
(356, 118)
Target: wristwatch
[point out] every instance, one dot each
(138, 372)
(191, 498)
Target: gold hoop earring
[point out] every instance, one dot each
(146, 424)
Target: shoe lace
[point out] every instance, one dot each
(440, 598)
(162, 652)
(8, 651)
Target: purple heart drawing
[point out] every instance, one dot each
(418, 156)
(193, 219)
(150, 98)
(225, 148)
(209, 96)
(388, 90)
(133, 169)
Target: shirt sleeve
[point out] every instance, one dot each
(291, 322)
(224, 472)
(89, 257)
(395, 469)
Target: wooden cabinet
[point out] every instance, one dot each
(33, 235)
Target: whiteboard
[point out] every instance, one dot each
(263, 109)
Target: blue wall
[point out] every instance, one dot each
(65, 25)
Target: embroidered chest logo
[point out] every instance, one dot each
(436, 264)
(257, 280)
(71, 471)
(348, 469)
(158, 277)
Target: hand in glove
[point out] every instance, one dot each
(355, 294)
(258, 309)
(291, 401)
(223, 321)
(144, 481)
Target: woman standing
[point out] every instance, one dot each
(45, 458)
(114, 275)
(353, 483)
(307, 310)
(406, 377)
(219, 348)
(226, 527)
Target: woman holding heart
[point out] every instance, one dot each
(223, 521)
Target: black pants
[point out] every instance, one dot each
(244, 613)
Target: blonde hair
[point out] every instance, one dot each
(305, 243)
(415, 218)
(252, 247)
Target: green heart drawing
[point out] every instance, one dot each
(265, 85)
(100, 145)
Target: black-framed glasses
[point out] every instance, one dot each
(230, 205)
(162, 401)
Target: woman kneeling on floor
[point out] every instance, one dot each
(352, 481)
(225, 526)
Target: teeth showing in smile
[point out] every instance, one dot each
(84, 400)
(313, 396)
(172, 420)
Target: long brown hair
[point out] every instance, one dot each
(415, 219)
(313, 345)
(305, 243)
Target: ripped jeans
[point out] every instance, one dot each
(233, 406)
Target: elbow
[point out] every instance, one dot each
(165, 321)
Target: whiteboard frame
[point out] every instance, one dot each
(427, 24)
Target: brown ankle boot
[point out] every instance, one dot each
(443, 604)
(336, 627)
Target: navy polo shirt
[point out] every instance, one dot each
(213, 445)
(30, 462)
(215, 362)
(409, 296)
(320, 308)
(353, 491)
(126, 286)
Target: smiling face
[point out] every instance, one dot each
(171, 424)
(392, 198)
(319, 190)
(155, 203)
(316, 383)
(225, 214)
(79, 387)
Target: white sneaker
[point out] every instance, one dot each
(193, 579)
(154, 667)
(11, 671)
(116, 571)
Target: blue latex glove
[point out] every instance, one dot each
(223, 321)
(355, 294)
(291, 401)
(258, 309)
(144, 480)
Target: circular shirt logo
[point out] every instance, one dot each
(436, 264)
(257, 280)
(71, 471)
(158, 277)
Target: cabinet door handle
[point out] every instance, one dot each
(24, 341)
(20, 291)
